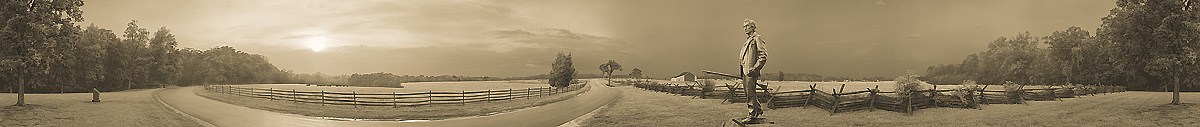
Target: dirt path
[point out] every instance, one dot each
(223, 114)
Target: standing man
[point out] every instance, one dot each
(754, 56)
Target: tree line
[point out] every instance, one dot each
(1143, 45)
(97, 58)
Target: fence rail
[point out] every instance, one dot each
(390, 99)
(840, 101)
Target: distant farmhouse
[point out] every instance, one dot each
(685, 76)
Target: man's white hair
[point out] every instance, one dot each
(748, 22)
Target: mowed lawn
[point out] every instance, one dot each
(131, 108)
(644, 108)
(412, 87)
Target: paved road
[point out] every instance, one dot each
(228, 115)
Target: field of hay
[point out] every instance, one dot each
(413, 87)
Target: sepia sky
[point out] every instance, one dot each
(663, 38)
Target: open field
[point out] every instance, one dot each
(131, 108)
(644, 108)
(424, 112)
(411, 87)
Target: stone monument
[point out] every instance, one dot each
(95, 95)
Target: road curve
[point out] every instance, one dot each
(227, 115)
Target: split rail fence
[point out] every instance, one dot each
(390, 99)
(840, 101)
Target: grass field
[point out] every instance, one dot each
(644, 108)
(412, 87)
(430, 112)
(850, 86)
(131, 108)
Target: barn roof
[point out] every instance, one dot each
(684, 73)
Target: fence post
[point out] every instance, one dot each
(1054, 94)
(429, 98)
(489, 95)
(354, 98)
(464, 98)
(509, 94)
(971, 97)
(909, 103)
(294, 95)
(527, 91)
(983, 97)
(812, 92)
(871, 99)
(933, 93)
(1021, 91)
(394, 105)
(837, 103)
(322, 98)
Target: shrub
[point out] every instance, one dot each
(1013, 91)
(966, 88)
(708, 85)
(908, 84)
(1011, 87)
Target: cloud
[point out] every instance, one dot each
(388, 24)
(554, 39)
(880, 2)
(915, 35)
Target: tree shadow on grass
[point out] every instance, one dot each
(1185, 114)
(1169, 107)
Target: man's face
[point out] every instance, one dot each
(748, 28)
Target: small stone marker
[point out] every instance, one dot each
(95, 95)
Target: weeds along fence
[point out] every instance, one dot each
(838, 100)
(390, 99)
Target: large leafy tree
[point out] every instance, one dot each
(91, 51)
(1063, 45)
(1007, 59)
(562, 71)
(609, 67)
(1176, 37)
(1154, 42)
(32, 30)
(130, 57)
(164, 64)
(1130, 27)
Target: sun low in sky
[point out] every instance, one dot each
(317, 43)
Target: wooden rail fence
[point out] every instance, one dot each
(390, 99)
(871, 99)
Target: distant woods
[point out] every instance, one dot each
(1146, 45)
